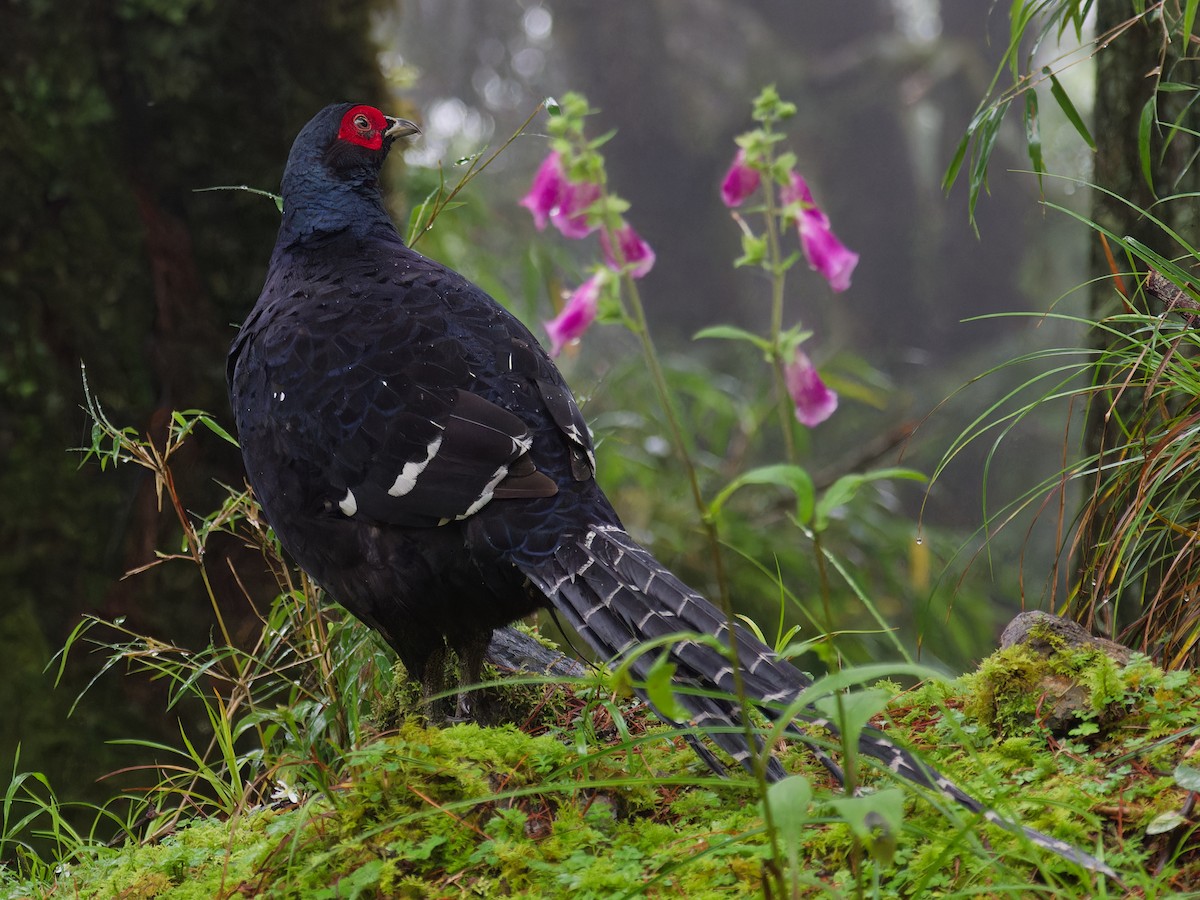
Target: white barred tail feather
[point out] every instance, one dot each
(618, 597)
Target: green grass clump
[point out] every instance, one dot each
(203, 859)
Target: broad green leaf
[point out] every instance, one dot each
(789, 800)
(1165, 822)
(794, 478)
(422, 849)
(876, 818)
(783, 165)
(659, 689)
(733, 333)
(754, 251)
(853, 711)
(843, 490)
(1187, 778)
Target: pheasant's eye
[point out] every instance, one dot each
(362, 123)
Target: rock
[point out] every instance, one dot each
(1046, 635)
(1052, 673)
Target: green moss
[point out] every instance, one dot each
(1016, 687)
(487, 812)
(1002, 694)
(468, 811)
(203, 859)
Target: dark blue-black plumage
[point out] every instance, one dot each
(419, 454)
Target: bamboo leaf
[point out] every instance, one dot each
(278, 200)
(1145, 127)
(1068, 108)
(1020, 15)
(956, 163)
(1189, 20)
(1033, 136)
(985, 141)
(733, 333)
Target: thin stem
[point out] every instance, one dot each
(443, 200)
(162, 469)
(639, 325)
(657, 377)
(778, 278)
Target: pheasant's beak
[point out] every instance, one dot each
(398, 128)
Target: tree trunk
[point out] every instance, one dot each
(113, 119)
(1128, 73)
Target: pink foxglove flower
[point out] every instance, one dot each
(814, 401)
(797, 192)
(632, 251)
(740, 181)
(576, 316)
(546, 191)
(570, 216)
(825, 253)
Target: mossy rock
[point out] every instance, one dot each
(1053, 680)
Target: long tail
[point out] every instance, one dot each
(618, 596)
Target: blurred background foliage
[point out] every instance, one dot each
(119, 113)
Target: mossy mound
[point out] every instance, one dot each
(604, 803)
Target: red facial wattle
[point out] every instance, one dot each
(365, 126)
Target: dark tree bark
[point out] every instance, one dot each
(1124, 83)
(1128, 72)
(115, 114)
